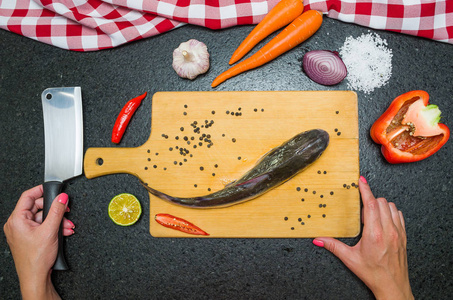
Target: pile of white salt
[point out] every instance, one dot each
(368, 60)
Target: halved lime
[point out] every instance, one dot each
(125, 209)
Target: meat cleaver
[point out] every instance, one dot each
(63, 135)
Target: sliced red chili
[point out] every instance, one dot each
(178, 224)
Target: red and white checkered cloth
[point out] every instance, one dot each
(89, 25)
(432, 19)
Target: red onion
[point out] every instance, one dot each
(324, 67)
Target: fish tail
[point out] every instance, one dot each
(157, 193)
(166, 197)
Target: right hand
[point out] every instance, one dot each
(379, 259)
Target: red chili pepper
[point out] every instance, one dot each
(124, 117)
(178, 224)
(409, 130)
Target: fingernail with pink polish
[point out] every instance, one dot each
(72, 224)
(318, 243)
(362, 179)
(63, 198)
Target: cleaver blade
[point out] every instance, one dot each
(63, 136)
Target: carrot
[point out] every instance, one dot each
(295, 33)
(282, 14)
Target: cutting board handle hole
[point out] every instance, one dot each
(48, 96)
(99, 161)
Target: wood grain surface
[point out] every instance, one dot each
(201, 141)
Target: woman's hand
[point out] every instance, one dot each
(379, 259)
(34, 244)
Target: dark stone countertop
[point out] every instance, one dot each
(111, 262)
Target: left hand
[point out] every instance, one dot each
(34, 243)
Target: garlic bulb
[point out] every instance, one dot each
(191, 59)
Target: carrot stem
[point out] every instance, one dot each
(280, 15)
(295, 33)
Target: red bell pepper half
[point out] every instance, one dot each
(409, 130)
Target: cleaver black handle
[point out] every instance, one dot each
(51, 190)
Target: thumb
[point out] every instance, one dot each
(56, 211)
(339, 249)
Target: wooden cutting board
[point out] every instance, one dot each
(201, 141)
